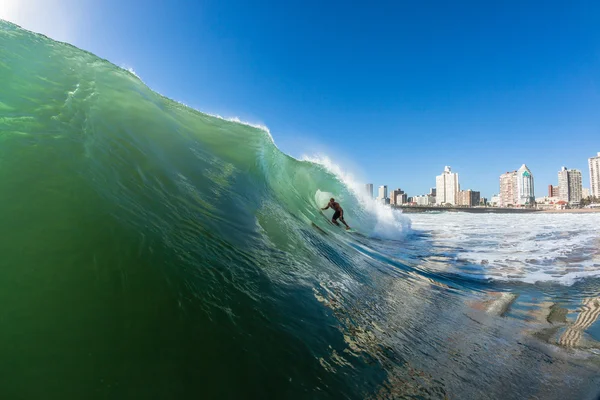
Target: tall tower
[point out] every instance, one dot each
(525, 189)
(369, 190)
(569, 183)
(508, 189)
(446, 187)
(594, 163)
(382, 193)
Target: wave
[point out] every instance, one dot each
(167, 252)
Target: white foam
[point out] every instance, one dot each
(131, 71)
(515, 247)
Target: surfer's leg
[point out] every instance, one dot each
(336, 215)
(342, 219)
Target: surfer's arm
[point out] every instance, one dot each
(325, 207)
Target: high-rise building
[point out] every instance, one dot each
(446, 187)
(369, 190)
(569, 182)
(424, 200)
(516, 188)
(382, 194)
(585, 193)
(594, 163)
(553, 191)
(468, 198)
(398, 196)
(401, 198)
(525, 188)
(393, 194)
(508, 189)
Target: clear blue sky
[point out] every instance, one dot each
(393, 91)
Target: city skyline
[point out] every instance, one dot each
(541, 188)
(516, 187)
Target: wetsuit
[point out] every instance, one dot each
(339, 212)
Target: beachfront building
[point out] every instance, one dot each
(424, 200)
(516, 188)
(494, 201)
(549, 202)
(398, 197)
(402, 198)
(553, 191)
(585, 193)
(468, 198)
(446, 187)
(525, 188)
(382, 194)
(569, 182)
(369, 190)
(594, 163)
(508, 189)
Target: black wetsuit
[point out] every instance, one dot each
(339, 212)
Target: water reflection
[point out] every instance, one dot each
(588, 314)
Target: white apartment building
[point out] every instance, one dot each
(569, 183)
(517, 188)
(369, 190)
(594, 163)
(446, 187)
(585, 193)
(396, 197)
(401, 198)
(382, 193)
(424, 200)
(495, 200)
(525, 188)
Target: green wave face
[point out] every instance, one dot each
(148, 248)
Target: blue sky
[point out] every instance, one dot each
(392, 91)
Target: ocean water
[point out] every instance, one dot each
(148, 250)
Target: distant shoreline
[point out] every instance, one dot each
(493, 210)
(574, 211)
(473, 210)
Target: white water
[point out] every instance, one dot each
(367, 215)
(519, 247)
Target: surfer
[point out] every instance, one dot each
(339, 212)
